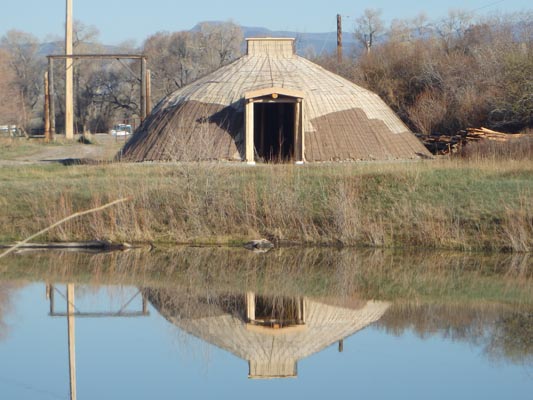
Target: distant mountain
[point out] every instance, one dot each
(306, 43)
(314, 43)
(52, 48)
(317, 43)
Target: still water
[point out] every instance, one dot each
(225, 323)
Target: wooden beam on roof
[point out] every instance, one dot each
(274, 90)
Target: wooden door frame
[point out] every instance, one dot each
(274, 95)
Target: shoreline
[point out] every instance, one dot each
(482, 206)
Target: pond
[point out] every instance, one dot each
(208, 323)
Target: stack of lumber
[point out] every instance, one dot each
(450, 144)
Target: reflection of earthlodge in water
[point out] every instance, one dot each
(271, 333)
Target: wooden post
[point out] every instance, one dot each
(341, 345)
(297, 133)
(143, 89)
(51, 298)
(299, 137)
(52, 108)
(339, 38)
(69, 76)
(299, 308)
(249, 132)
(145, 305)
(46, 107)
(304, 312)
(148, 92)
(71, 340)
(250, 306)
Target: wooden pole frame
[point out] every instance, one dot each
(143, 89)
(69, 76)
(144, 78)
(52, 104)
(46, 107)
(148, 91)
(71, 340)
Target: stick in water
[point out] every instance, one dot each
(78, 214)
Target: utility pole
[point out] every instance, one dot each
(71, 340)
(339, 38)
(143, 89)
(46, 107)
(69, 81)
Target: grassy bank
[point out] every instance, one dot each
(482, 205)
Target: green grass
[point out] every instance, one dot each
(427, 277)
(444, 204)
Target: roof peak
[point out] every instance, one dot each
(270, 46)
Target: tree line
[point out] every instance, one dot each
(445, 76)
(439, 76)
(106, 91)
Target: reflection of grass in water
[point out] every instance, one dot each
(312, 272)
(486, 300)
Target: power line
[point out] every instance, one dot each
(487, 6)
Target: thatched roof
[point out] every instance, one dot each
(270, 353)
(206, 119)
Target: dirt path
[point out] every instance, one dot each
(105, 147)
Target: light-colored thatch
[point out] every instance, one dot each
(271, 353)
(334, 119)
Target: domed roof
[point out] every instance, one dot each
(267, 101)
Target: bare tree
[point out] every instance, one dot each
(453, 28)
(88, 75)
(171, 61)
(409, 30)
(368, 26)
(28, 67)
(179, 58)
(220, 42)
(10, 98)
(105, 90)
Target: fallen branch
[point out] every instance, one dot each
(78, 214)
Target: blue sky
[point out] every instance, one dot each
(121, 20)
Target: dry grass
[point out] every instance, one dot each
(453, 278)
(514, 149)
(453, 204)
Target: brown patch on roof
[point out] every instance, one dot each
(190, 131)
(350, 136)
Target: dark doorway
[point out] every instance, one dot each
(274, 131)
(278, 312)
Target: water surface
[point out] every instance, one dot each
(226, 323)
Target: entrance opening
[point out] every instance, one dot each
(278, 312)
(274, 131)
